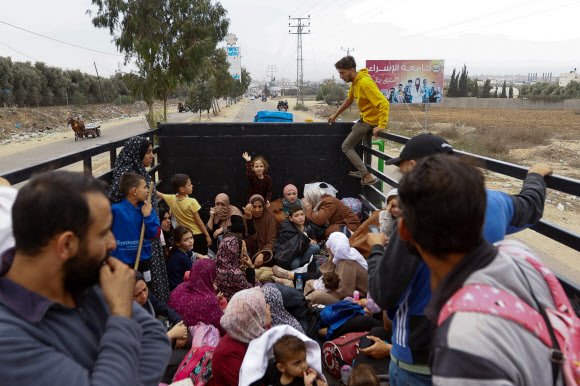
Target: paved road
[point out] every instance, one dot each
(251, 108)
(66, 146)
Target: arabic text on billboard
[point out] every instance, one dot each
(408, 81)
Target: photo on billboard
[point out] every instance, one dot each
(408, 81)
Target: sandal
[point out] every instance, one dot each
(286, 282)
(280, 272)
(363, 183)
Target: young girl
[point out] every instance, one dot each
(181, 256)
(387, 217)
(260, 182)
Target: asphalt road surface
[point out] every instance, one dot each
(250, 110)
(59, 148)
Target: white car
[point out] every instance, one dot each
(252, 98)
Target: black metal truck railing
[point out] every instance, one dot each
(372, 197)
(84, 156)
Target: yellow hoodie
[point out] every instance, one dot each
(373, 106)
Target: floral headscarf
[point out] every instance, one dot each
(230, 278)
(130, 160)
(279, 314)
(245, 317)
(195, 300)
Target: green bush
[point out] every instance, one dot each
(300, 107)
(79, 99)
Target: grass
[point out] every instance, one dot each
(301, 107)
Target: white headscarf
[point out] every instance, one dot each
(392, 192)
(338, 244)
(260, 352)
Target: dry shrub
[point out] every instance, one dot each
(449, 133)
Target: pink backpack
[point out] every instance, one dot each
(197, 363)
(558, 329)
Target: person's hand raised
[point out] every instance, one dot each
(246, 156)
(248, 211)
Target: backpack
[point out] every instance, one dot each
(335, 315)
(355, 205)
(558, 329)
(341, 351)
(298, 306)
(197, 363)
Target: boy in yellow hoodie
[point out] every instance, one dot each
(374, 113)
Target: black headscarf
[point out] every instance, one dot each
(130, 160)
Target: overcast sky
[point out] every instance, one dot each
(491, 37)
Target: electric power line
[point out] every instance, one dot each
(60, 41)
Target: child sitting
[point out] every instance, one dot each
(290, 367)
(186, 211)
(260, 182)
(128, 218)
(387, 217)
(328, 282)
(363, 375)
(181, 256)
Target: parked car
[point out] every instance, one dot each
(252, 98)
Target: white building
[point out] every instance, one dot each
(568, 77)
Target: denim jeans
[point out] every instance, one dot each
(400, 377)
(300, 261)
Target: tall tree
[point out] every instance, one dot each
(452, 90)
(511, 93)
(167, 38)
(486, 89)
(462, 87)
(476, 89)
(503, 90)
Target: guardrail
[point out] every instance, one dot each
(86, 156)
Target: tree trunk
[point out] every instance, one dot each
(200, 115)
(218, 105)
(150, 118)
(165, 96)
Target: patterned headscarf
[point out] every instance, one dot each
(279, 314)
(195, 300)
(130, 160)
(314, 196)
(245, 317)
(230, 278)
(225, 213)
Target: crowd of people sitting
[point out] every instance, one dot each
(248, 297)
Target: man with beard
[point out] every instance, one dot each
(400, 279)
(56, 324)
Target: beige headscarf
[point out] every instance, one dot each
(224, 213)
(314, 196)
(245, 317)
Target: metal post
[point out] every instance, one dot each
(66, 93)
(299, 61)
(427, 117)
(88, 166)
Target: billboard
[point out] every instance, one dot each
(408, 81)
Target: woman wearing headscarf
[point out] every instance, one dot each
(246, 318)
(136, 156)
(195, 300)
(350, 266)
(279, 314)
(259, 218)
(321, 209)
(230, 278)
(281, 206)
(220, 216)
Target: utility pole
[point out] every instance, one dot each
(347, 50)
(301, 24)
(271, 72)
(100, 85)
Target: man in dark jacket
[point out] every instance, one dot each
(399, 280)
(67, 315)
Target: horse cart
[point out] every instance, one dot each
(82, 131)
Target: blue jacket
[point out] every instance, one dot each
(401, 279)
(127, 222)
